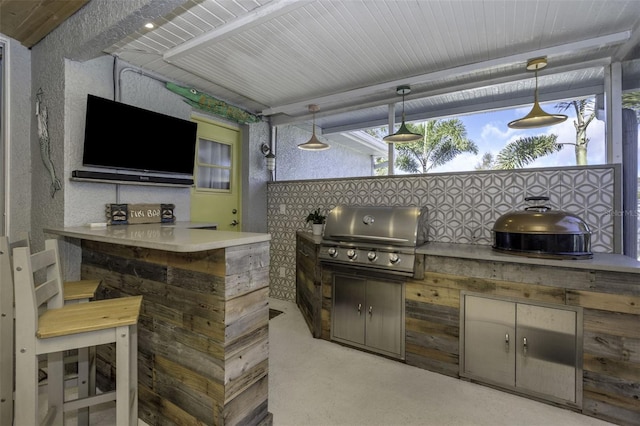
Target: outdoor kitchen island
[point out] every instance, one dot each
(203, 329)
(598, 375)
(604, 292)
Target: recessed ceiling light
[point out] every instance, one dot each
(149, 25)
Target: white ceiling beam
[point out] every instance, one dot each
(469, 108)
(368, 141)
(350, 95)
(249, 20)
(626, 48)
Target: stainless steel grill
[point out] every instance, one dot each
(380, 238)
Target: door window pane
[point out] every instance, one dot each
(213, 169)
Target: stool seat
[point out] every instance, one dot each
(80, 290)
(91, 316)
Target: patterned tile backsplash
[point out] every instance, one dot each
(462, 206)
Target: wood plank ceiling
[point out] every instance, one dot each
(29, 21)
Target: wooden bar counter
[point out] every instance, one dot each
(203, 330)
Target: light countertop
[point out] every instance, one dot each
(316, 239)
(600, 261)
(182, 237)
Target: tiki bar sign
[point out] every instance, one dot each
(126, 214)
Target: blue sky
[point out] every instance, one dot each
(490, 132)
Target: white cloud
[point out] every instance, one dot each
(491, 132)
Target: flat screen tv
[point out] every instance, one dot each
(121, 136)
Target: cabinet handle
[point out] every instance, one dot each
(359, 308)
(524, 346)
(302, 252)
(370, 310)
(506, 342)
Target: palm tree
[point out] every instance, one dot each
(585, 113)
(523, 151)
(631, 100)
(442, 141)
(487, 162)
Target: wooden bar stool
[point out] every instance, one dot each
(74, 292)
(45, 325)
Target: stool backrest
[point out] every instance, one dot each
(6, 333)
(37, 280)
(6, 269)
(6, 325)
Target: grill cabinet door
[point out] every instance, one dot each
(489, 339)
(547, 363)
(384, 316)
(348, 319)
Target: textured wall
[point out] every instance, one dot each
(85, 201)
(462, 206)
(254, 177)
(293, 163)
(85, 32)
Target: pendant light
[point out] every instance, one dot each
(403, 134)
(537, 117)
(314, 144)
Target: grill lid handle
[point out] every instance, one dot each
(539, 208)
(369, 238)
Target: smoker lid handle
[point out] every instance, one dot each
(368, 238)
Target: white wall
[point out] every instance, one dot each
(293, 163)
(85, 201)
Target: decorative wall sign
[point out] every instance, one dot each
(128, 214)
(210, 104)
(45, 142)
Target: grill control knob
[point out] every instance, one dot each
(372, 256)
(351, 254)
(394, 258)
(332, 252)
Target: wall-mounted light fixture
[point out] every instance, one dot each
(403, 134)
(314, 143)
(537, 117)
(270, 157)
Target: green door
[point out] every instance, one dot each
(217, 191)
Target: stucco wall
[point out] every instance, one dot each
(85, 201)
(81, 35)
(254, 177)
(294, 163)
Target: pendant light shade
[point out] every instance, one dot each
(537, 117)
(314, 144)
(403, 134)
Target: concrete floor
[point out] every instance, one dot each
(313, 382)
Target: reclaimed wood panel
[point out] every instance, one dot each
(604, 301)
(203, 330)
(308, 284)
(511, 272)
(326, 280)
(611, 322)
